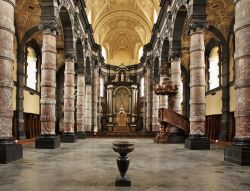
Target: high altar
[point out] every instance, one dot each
(122, 103)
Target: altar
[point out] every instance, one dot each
(122, 103)
(122, 121)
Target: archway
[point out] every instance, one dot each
(67, 31)
(179, 25)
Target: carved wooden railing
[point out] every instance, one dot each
(170, 117)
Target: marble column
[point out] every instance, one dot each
(80, 106)
(176, 135)
(134, 104)
(155, 115)
(110, 105)
(163, 99)
(20, 129)
(88, 108)
(95, 100)
(69, 135)
(145, 103)
(239, 151)
(176, 79)
(149, 95)
(224, 130)
(9, 150)
(197, 139)
(48, 138)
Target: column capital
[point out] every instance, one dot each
(50, 28)
(80, 70)
(110, 86)
(194, 25)
(133, 87)
(175, 54)
(70, 57)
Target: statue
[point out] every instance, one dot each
(122, 77)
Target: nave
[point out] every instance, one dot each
(91, 165)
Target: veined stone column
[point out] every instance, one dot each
(134, 103)
(80, 106)
(239, 152)
(20, 129)
(69, 135)
(176, 135)
(163, 99)
(95, 100)
(109, 105)
(197, 139)
(88, 108)
(48, 138)
(149, 100)
(155, 116)
(145, 103)
(9, 150)
(176, 79)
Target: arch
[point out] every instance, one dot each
(32, 49)
(178, 28)
(224, 60)
(122, 99)
(33, 43)
(120, 88)
(198, 10)
(25, 39)
(67, 31)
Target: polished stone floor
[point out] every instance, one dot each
(90, 165)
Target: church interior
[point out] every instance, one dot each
(170, 76)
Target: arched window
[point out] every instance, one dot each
(140, 52)
(31, 70)
(89, 17)
(104, 53)
(214, 69)
(142, 87)
(101, 87)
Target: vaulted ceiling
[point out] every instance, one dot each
(122, 27)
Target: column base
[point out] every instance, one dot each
(81, 135)
(238, 152)
(123, 182)
(197, 142)
(48, 142)
(176, 138)
(68, 138)
(10, 151)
